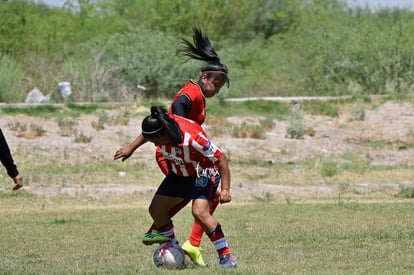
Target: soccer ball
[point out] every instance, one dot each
(169, 256)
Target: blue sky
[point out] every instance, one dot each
(384, 3)
(372, 3)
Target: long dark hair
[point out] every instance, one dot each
(160, 123)
(203, 50)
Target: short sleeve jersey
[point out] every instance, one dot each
(194, 150)
(193, 92)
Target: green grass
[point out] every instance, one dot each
(52, 111)
(215, 106)
(84, 109)
(76, 236)
(40, 111)
(345, 233)
(90, 173)
(327, 108)
(267, 109)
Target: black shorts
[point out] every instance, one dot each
(206, 185)
(203, 187)
(177, 186)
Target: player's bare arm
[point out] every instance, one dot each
(125, 152)
(223, 164)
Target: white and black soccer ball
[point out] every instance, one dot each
(169, 256)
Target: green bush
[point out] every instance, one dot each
(272, 48)
(329, 169)
(117, 64)
(406, 192)
(296, 128)
(10, 77)
(332, 47)
(358, 113)
(326, 108)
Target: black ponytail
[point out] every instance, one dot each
(160, 123)
(203, 50)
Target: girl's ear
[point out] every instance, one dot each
(203, 78)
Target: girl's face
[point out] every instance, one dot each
(210, 86)
(160, 140)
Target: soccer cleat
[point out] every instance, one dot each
(194, 253)
(154, 237)
(228, 261)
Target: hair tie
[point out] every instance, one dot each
(215, 72)
(155, 114)
(152, 132)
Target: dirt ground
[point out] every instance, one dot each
(390, 123)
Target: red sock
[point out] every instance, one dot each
(196, 234)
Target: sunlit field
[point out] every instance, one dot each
(341, 204)
(79, 235)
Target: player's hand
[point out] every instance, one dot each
(225, 196)
(123, 153)
(18, 180)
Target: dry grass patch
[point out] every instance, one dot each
(30, 132)
(248, 131)
(119, 118)
(82, 138)
(67, 126)
(380, 142)
(216, 125)
(100, 123)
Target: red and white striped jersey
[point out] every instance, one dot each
(196, 150)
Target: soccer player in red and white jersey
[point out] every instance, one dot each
(190, 102)
(197, 166)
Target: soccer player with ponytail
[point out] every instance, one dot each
(190, 103)
(197, 167)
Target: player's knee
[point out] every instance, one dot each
(196, 214)
(200, 214)
(155, 210)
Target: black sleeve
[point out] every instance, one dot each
(181, 106)
(6, 157)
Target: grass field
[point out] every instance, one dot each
(83, 236)
(361, 224)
